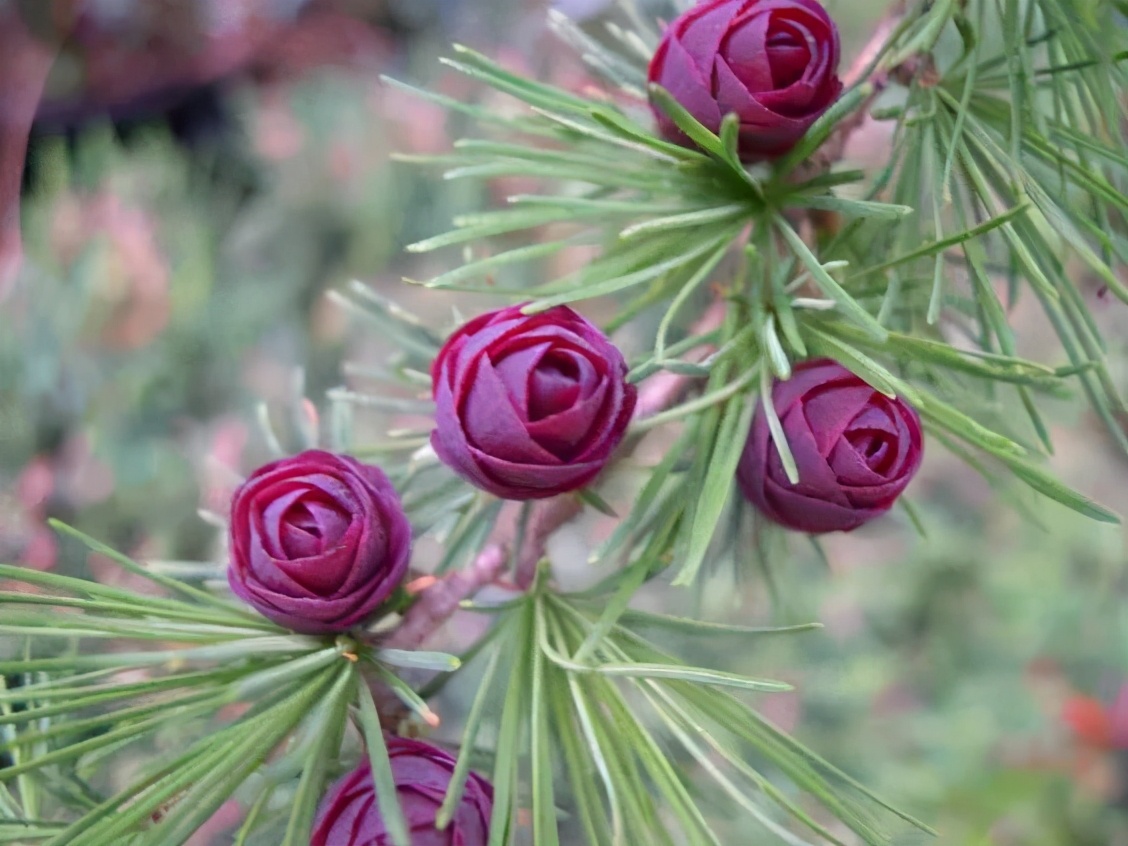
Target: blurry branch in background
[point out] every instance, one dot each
(25, 62)
(153, 61)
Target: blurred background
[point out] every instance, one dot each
(185, 179)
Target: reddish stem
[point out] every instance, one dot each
(438, 602)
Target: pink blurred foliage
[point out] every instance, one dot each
(266, 376)
(83, 478)
(73, 474)
(41, 551)
(220, 471)
(418, 126)
(24, 532)
(784, 710)
(277, 133)
(132, 301)
(35, 484)
(217, 829)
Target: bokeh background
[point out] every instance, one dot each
(201, 172)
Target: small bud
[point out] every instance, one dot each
(529, 406)
(350, 816)
(855, 449)
(771, 62)
(318, 541)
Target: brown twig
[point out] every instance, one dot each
(547, 516)
(438, 602)
(435, 605)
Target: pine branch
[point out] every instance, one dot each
(439, 601)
